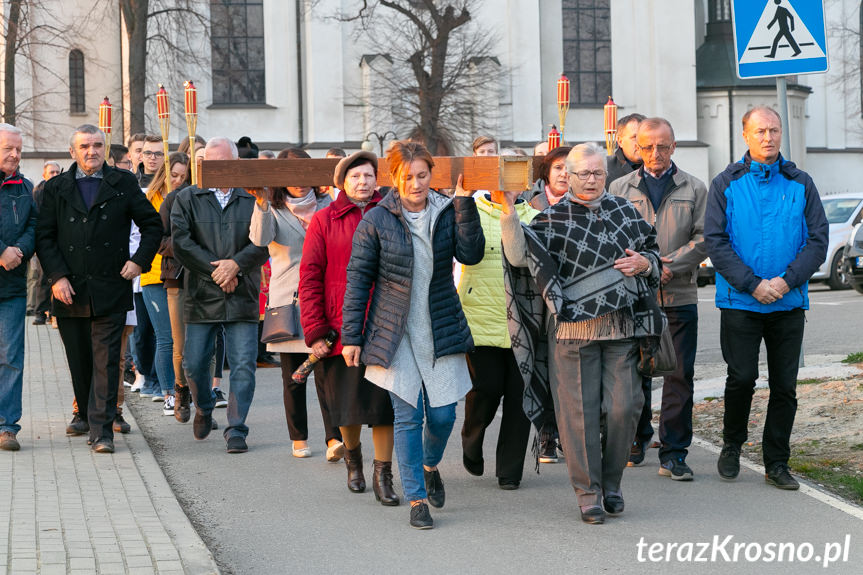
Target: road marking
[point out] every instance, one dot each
(813, 492)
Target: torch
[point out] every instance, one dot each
(562, 104)
(192, 124)
(553, 138)
(164, 114)
(610, 126)
(302, 372)
(105, 123)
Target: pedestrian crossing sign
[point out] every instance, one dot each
(779, 37)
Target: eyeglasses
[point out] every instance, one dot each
(151, 154)
(659, 149)
(585, 174)
(124, 163)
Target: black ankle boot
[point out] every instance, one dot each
(354, 463)
(382, 483)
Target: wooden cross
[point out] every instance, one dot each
(506, 173)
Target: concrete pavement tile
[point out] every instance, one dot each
(140, 571)
(82, 563)
(139, 561)
(81, 552)
(19, 565)
(169, 566)
(112, 569)
(164, 552)
(48, 558)
(53, 569)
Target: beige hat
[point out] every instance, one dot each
(344, 163)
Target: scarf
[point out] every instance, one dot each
(303, 208)
(571, 278)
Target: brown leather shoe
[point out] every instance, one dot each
(9, 441)
(354, 463)
(382, 483)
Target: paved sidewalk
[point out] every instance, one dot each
(64, 509)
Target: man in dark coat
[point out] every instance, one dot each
(82, 239)
(627, 158)
(17, 223)
(222, 280)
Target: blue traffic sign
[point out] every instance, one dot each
(779, 37)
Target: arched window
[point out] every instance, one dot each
(237, 44)
(587, 50)
(77, 103)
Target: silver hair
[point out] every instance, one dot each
(222, 141)
(581, 152)
(268, 154)
(11, 129)
(52, 163)
(85, 129)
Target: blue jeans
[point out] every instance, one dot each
(144, 351)
(12, 321)
(156, 302)
(416, 446)
(241, 343)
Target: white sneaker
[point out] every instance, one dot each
(168, 408)
(139, 382)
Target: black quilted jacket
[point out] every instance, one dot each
(382, 258)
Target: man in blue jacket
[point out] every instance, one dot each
(766, 233)
(17, 233)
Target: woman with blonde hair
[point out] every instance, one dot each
(153, 292)
(402, 317)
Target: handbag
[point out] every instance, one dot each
(281, 323)
(656, 354)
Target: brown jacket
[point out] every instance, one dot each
(679, 224)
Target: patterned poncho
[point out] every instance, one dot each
(570, 281)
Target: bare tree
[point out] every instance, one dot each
(432, 90)
(848, 58)
(171, 33)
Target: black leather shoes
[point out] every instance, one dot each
(613, 504)
(237, 444)
(780, 476)
(182, 411)
(354, 463)
(121, 425)
(508, 484)
(420, 517)
(78, 426)
(473, 466)
(202, 425)
(382, 483)
(103, 445)
(592, 514)
(434, 488)
(728, 464)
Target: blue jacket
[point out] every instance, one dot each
(17, 228)
(764, 221)
(382, 257)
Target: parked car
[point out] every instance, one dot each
(844, 211)
(854, 258)
(706, 273)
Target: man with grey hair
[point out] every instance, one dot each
(17, 227)
(674, 202)
(210, 231)
(82, 240)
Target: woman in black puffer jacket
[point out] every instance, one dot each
(414, 337)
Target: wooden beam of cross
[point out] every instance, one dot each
(507, 173)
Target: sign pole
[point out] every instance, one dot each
(782, 96)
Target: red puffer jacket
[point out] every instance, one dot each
(323, 268)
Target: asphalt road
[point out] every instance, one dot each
(267, 512)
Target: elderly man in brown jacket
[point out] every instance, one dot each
(674, 202)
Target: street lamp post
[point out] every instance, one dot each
(369, 147)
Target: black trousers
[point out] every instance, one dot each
(741, 333)
(93, 353)
(294, 395)
(675, 420)
(495, 376)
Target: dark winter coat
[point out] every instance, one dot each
(203, 232)
(17, 228)
(323, 268)
(382, 256)
(90, 247)
(172, 271)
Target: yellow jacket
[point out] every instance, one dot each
(152, 276)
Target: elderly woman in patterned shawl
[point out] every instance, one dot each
(579, 283)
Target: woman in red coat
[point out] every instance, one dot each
(352, 400)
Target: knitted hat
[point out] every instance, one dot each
(345, 163)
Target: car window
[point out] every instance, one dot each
(838, 210)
